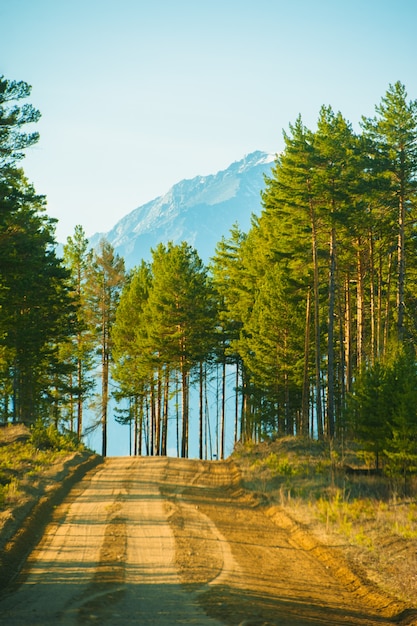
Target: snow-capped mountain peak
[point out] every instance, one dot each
(199, 210)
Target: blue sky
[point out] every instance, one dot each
(137, 95)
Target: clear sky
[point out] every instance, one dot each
(136, 95)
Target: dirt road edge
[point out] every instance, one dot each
(396, 610)
(27, 534)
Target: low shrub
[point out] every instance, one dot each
(49, 438)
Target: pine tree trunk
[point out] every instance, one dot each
(330, 338)
(164, 436)
(158, 415)
(387, 305)
(401, 264)
(185, 391)
(319, 409)
(135, 426)
(104, 397)
(152, 418)
(71, 405)
(201, 411)
(288, 418)
(306, 379)
(177, 412)
(244, 428)
(223, 410)
(359, 306)
(379, 324)
(79, 401)
(141, 425)
(236, 401)
(373, 350)
(347, 337)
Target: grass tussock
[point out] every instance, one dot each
(338, 497)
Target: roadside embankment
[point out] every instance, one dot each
(37, 482)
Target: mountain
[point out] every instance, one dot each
(199, 211)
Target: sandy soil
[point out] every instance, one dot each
(158, 541)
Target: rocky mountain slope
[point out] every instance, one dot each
(199, 211)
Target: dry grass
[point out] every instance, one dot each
(26, 472)
(365, 515)
(22, 465)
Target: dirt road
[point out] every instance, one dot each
(158, 541)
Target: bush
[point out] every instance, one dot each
(49, 438)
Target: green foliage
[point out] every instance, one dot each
(369, 409)
(280, 466)
(383, 411)
(164, 330)
(47, 437)
(36, 314)
(132, 350)
(320, 284)
(13, 118)
(78, 353)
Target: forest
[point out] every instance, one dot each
(312, 312)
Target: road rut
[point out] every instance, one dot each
(163, 541)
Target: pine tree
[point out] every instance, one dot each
(36, 315)
(273, 351)
(393, 136)
(226, 273)
(78, 260)
(336, 173)
(290, 228)
(106, 276)
(401, 445)
(36, 312)
(178, 310)
(132, 352)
